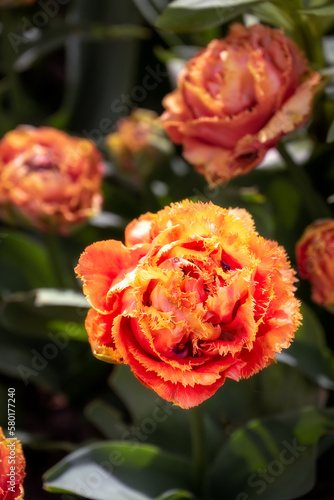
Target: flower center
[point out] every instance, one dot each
(41, 161)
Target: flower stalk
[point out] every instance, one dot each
(198, 446)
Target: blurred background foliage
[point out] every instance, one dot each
(81, 66)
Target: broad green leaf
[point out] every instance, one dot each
(323, 10)
(126, 471)
(274, 458)
(192, 15)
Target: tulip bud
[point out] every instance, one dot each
(139, 145)
(315, 260)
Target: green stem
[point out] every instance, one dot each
(198, 446)
(58, 261)
(316, 206)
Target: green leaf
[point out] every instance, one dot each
(323, 10)
(192, 15)
(274, 458)
(126, 471)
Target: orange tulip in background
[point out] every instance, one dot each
(49, 179)
(139, 143)
(12, 468)
(315, 260)
(237, 98)
(194, 297)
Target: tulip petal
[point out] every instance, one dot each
(101, 264)
(293, 113)
(99, 328)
